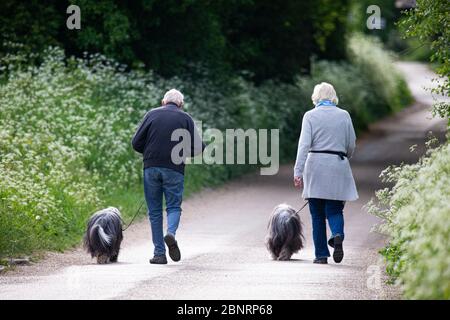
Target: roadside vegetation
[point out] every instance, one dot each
(416, 209)
(416, 212)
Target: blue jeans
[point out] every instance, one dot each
(322, 209)
(170, 183)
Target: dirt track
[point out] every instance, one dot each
(222, 236)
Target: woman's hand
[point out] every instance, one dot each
(298, 182)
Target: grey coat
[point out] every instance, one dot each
(326, 176)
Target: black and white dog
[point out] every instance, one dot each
(104, 235)
(285, 233)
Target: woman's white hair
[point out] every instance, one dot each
(324, 91)
(173, 96)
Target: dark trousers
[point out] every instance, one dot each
(322, 210)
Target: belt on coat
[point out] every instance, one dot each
(338, 153)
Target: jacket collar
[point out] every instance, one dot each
(171, 105)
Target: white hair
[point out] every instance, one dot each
(324, 91)
(173, 96)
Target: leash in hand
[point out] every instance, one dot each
(134, 217)
(304, 205)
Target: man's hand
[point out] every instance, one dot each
(298, 182)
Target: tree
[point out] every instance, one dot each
(276, 39)
(270, 39)
(430, 22)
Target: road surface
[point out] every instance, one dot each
(222, 236)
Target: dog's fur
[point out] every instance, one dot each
(104, 235)
(285, 233)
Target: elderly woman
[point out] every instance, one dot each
(322, 169)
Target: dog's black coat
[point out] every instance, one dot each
(285, 233)
(104, 235)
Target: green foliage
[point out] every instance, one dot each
(32, 23)
(416, 209)
(375, 63)
(105, 28)
(429, 21)
(330, 22)
(268, 38)
(417, 216)
(415, 50)
(275, 39)
(66, 125)
(389, 34)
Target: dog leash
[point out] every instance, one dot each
(302, 207)
(135, 215)
(143, 201)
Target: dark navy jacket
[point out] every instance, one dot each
(153, 138)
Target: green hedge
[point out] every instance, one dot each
(417, 215)
(66, 125)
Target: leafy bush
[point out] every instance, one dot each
(375, 64)
(417, 218)
(429, 22)
(168, 36)
(416, 209)
(66, 125)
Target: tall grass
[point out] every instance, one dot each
(66, 125)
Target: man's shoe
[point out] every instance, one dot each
(158, 260)
(338, 253)
(320, 260)
(174, 251)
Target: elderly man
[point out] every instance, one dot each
(164, 175)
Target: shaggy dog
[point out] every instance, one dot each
(285, 233)
(104, 235)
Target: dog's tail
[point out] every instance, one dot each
(97, 240)
(99, 235)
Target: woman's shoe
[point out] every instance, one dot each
(320, 260)
(338, 253)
